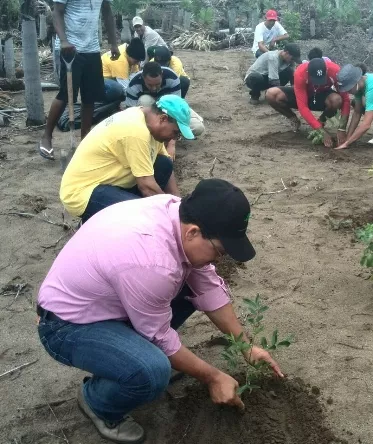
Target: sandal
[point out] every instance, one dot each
(44, 152)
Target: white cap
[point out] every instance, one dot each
(137, 21)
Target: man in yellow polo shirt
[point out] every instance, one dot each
(118, 73)
(164, 57)
(124, 157)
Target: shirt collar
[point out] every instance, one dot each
(173, 212)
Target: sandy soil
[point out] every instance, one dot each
(307, 269)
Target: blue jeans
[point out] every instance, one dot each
(113, 91)
(105, 195)
(128, 370)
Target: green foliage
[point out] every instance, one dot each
(348, 13)
(236, 347)
(206, 17)
(292, 23)
(9, 14)
(126, 7)
(365, 235)
(316, 136)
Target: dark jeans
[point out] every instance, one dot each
(127, 369)
(184, 85)
(113, 91)
(105, 195)
(258, 82)
(258, 53)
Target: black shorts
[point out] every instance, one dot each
(87, 77)
(319, 98)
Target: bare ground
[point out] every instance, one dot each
(307, 269)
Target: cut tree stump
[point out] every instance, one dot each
(11, 84)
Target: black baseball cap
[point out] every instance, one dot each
(294, 50)
(162, 53)
(317, 71)
(222, 211)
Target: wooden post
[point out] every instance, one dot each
(9, 66)
(125, 34)
(312, 28)
(42, 27)
(187, 17)
(291, 5)
(165, 21)
(180, 17)
(254, 18)
(232, 20)
(173, 19)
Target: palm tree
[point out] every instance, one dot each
(33, 92)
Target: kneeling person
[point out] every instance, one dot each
(124, 158)
(164, 57)
(273, 68)
(117, 73)
(315, 89)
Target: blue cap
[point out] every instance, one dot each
(177, 108)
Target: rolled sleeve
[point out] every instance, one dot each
(209, 290)
(146, 295)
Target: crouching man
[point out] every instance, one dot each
(126, 281)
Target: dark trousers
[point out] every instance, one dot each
(105, 195)
(258, 53)
(184, 85)
(127, 369)
(258, 82)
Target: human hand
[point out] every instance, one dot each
(67, 48)
(341, 137)
(257, 354)
(223, 390)
(328, 141)
(343, 146)
(115, 53)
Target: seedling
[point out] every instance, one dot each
(233, 352)
(365, 235)
(316, 137)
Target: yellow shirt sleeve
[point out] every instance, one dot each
(138, 154)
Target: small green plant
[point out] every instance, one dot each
(236, 347)
(316, 137)
(206, 17)
(291, 22)
(365, 235)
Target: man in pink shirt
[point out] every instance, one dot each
(119, 289)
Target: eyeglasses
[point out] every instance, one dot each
(218, 251)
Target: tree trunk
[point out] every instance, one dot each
(125, 35)
(232, 20)
(173, 19)
(9, 66)
(42, 27)
(180, 17)
(254, 18)
(33, 92)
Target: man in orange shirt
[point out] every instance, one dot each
(315, 89)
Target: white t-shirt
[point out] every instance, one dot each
(81, 24)
(263, 34)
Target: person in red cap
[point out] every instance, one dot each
(315, 89)
(268, 33)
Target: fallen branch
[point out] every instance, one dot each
(211, 171)
(58, 423)
(20, 367)
(265, 193)
(64, 225)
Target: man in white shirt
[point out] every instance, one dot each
(149, 37)
(268, 33)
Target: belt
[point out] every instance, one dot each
(45, 314)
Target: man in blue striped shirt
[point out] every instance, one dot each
(153, 82)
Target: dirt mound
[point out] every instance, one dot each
(279, 413)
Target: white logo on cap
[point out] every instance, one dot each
(319, 72)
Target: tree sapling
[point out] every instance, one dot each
(237, 346)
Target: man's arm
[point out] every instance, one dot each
(134, 91)
(355, 119)
(171, 187)
(59, 23)
(262, 47)
(148, 186)
(273, 66)
(107, 15)
(301, 94)
(226, 321)
(360, 130)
